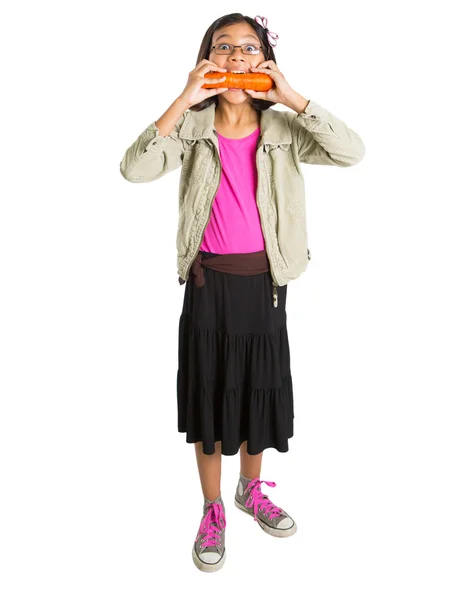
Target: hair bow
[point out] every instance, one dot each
(271, 36)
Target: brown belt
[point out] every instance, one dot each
(250, 263)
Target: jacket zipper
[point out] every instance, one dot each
(207, 220)
(275, 284)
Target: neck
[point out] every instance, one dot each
(235, 115)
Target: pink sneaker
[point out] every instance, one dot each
(271, 518)
(209, 552)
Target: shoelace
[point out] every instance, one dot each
(260, 500)
(211, 525)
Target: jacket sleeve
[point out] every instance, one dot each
(323, 139)
(151, 156)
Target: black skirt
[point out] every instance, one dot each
(234, 380)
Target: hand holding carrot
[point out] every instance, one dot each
(193, 92)
(281, 90)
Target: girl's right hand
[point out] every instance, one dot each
(193, 92)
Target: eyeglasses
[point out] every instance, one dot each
(229, 48)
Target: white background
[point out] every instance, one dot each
(101, 495)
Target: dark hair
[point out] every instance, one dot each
(205, 49)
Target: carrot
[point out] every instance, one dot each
(259, 82)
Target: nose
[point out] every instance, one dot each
(237, 64)
(237, 54)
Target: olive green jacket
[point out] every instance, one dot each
(286, 140)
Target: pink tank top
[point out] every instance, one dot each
(234, 226)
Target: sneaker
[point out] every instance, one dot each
(271, 518)
(208, 550)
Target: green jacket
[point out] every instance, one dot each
(286, 140)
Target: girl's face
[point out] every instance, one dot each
(237, 34)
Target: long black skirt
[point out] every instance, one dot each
(234, 381)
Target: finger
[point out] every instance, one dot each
(264, 70)
(273, 74)
(253, 93)
(214, 91)
(212, 68)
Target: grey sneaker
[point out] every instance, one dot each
(271, 518)
(208, 550)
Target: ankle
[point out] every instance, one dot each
(216, 498)
(254, 476)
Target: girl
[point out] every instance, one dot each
(241, 238)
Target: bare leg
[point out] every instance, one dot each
(209, 468)
(250, 464)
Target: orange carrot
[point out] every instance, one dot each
(259, 82)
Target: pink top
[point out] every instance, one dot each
(234, 225)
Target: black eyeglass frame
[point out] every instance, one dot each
(234, 47)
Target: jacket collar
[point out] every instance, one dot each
(274, 128)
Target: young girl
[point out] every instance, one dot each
(241, 238)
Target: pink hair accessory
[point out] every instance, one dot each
(271, 36)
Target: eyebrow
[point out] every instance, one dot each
(227, 35)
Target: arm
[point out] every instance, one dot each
(158, 150)
(322, 138)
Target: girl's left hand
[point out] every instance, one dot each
(281, 88)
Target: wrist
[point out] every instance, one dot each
(182, 103)
(296, 102)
